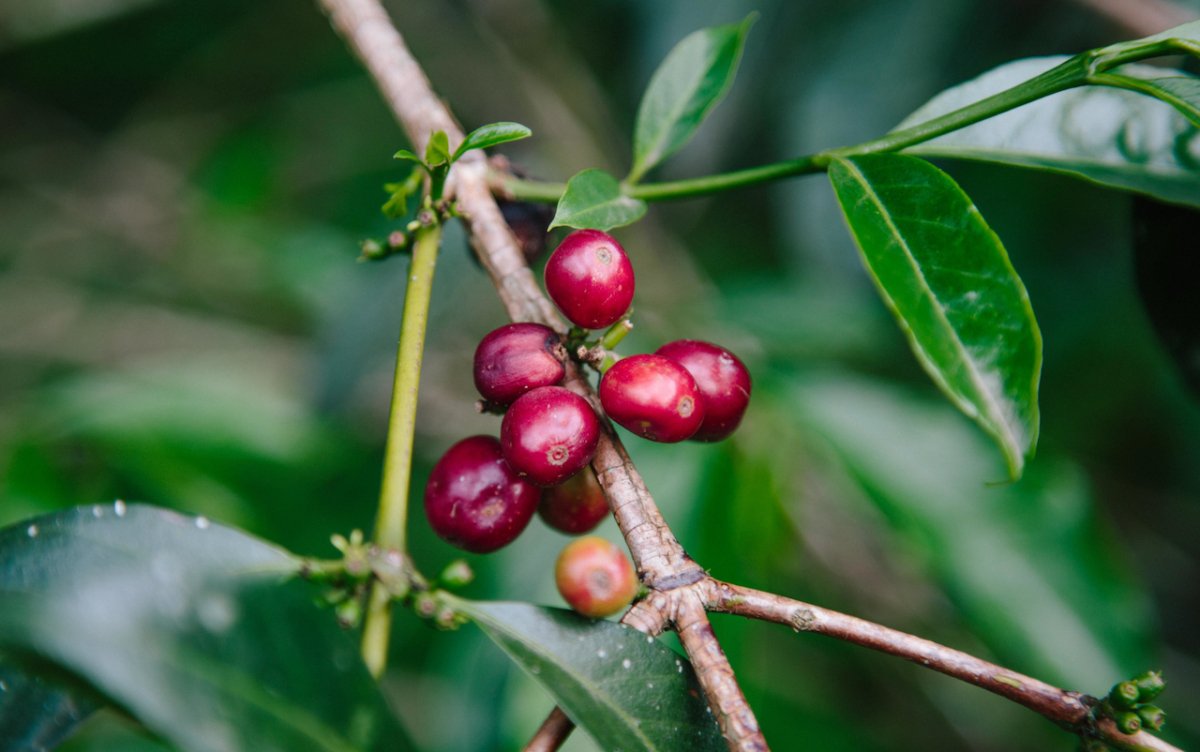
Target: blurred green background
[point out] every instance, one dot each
(182, 321)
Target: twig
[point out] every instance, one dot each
(661, 561)
(1069, 709)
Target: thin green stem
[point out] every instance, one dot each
(1069, 74)
(390, 527)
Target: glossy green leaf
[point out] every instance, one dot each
(1181, 92)
(437, 151)
(196, 629)
(37, 712)
(593, 200)
(1109, 136)
(629, 691)
(1184, 38)
(493, 134)
(1035, 574)
(948, 280)
(685, 88)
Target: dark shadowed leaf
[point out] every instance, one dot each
(684, 89)
(1112, 137)
(198, 630)
(1013, 557)
(493, 134)
(593, 200)
(37, 712)
(1167, 266)
(948, 280)
(628, 691)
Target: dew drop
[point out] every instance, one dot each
(627, 663)
(601, 653)
(202, 523)
(32, 531)
(649, 640)
(97, 511)
(119, 508)
(649, 685)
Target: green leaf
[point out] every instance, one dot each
(685, 88)
(1111, 137)
(408, 156)
(1033, 570)
(593, 200)
(1181, 92)
(437, 151)
(198, 630)
(37, 712)
(629, 691)
(493, 134)
(948, 280)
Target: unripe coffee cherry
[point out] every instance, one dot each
(575, 506)
(548, 434)
(723, 381)
(474, 500)
(594, 577)
(652, 396)
(515, 358)
(590, 279)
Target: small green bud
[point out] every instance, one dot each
(457, 574)
(397, 241)
(448, 618)
(372, 250)
(349, 613)
(1150, 685)
(1124, 695)
(1153, 717)
(426, 605)
(1128, 722)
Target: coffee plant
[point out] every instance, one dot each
(202, 636)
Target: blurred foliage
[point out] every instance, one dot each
(182, 189)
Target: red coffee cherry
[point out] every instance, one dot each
(590, 279)
(652, 396)
(723, 380)
(548, 434)
(575, 506)
(594, 577)
(515, 358)
(474, 500)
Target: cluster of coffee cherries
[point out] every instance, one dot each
(484, 491)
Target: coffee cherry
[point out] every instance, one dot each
(594, 577)
(515, 358)
(590, 279)
(577, 505)
(652, 396)
(548, 434)
(474, 500)
(723, 381)
(530, 225)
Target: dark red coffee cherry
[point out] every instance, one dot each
(575, 506)
(515, 358)
(652, 396)
(723, 380)
(548, 434)
(474, 500)
(590, 279)
(594, 577)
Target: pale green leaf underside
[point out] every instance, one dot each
(949, 282)
(593, 200)
(628, 691)
(194, 628)
(688, 84)
(1181, 92)
(1112, 137)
